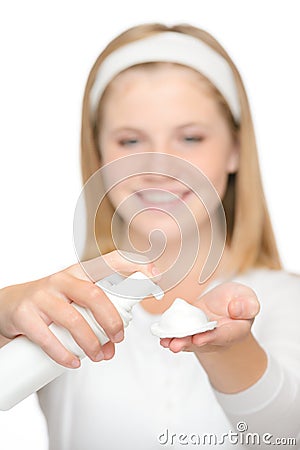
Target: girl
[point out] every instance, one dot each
(158, 96)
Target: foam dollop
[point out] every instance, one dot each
(182, 319)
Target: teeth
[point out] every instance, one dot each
(159, 197)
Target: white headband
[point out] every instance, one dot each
(169, 47)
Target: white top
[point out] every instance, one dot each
(148, 398)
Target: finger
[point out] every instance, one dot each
(123, 263)
(224, 335)
(89, 295)
(217, 300)
(37, 331)
(108, 350)
(178, 344)
(65, 315)
(244, 308)
(165, 342)
(127, 263)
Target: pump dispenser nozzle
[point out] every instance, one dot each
(136, 287)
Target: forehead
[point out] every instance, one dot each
(158, 95)
(157, 72)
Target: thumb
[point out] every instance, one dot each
(243, 308)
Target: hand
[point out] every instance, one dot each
(28, 309)
(234, 306)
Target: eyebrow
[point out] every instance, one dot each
(124, 128)
(139, 130)
(193, 124)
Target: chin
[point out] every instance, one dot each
(152, 221)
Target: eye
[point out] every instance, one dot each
(193, 139)
(128, 142)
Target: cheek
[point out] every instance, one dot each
(219, 180)
(118, 194)
(109, 154)
(215, 170)
(123, 200)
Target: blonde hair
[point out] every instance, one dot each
(249, 230)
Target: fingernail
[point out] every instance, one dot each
(155, 272)
(253, 307)
(99, 356)
(238, 309)
(75, 363)
(118, 337)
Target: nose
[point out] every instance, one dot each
(159, 162)
(160, 167)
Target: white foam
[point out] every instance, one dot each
(182, 319)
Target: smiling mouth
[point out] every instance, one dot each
(161, 199)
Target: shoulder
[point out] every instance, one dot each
(267, 280)
(270, 279)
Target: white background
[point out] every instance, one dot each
(47, 49)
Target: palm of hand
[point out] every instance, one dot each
(234, 306)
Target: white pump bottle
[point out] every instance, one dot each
(25, 367)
